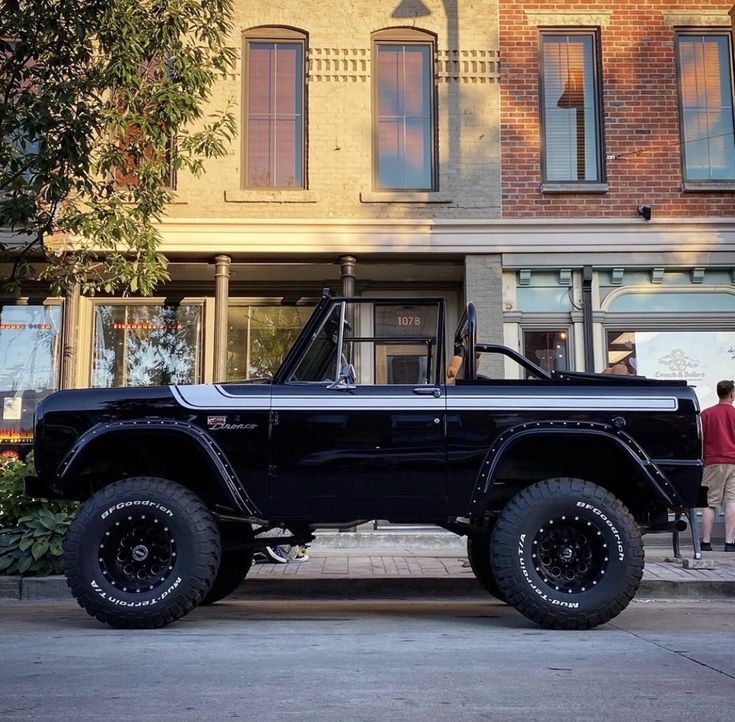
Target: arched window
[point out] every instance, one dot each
(404, 147)
(274, 106)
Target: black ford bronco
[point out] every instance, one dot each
(552, 478)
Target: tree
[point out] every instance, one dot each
(99, 101)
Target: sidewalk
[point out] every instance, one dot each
(441, 571)
(411, 570)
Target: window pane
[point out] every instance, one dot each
(146, 345)
(259, 151)
(404, 117)
(402, 363)
(706, 107)
(275, 115)
(258, 338)
(547, 349)
(570, 112)
(700, 357)
(30, 338)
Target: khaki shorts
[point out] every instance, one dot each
(720, 480)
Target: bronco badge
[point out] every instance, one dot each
(216, 423)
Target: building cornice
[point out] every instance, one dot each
(429, 236)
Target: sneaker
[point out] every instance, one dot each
(706, 546)
(729, 547)
(276, 555)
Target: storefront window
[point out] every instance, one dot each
(30, 338)
(258, 337)
(702, 358)
(547, 349)
(146, 345)
(405, 363)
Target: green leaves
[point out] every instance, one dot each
(94, 96)
(31, 530)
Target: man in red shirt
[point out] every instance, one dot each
(718, 429)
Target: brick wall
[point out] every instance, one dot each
(340, 112)
(640, 108)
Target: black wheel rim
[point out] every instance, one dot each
(570, 554)
(137, 554)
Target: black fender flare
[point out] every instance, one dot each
(655, 478)
(225, 474)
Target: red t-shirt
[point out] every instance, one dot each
(718, 429)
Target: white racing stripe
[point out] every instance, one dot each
(213, 397)
(566, 403)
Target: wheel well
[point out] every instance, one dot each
(593, 458)
(161, 453)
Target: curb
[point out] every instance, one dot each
(445, 587)
(52, 588)
(55, 588)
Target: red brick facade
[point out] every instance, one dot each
(639, 112)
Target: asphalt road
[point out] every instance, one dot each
(368, 660)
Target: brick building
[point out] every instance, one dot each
(372, 139)
(617, 135)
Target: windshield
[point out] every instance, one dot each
(319, 363)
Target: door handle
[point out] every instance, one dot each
(428, 391)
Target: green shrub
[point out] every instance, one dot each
(31, 530)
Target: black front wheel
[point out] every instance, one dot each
(567, 554)
(142, 553)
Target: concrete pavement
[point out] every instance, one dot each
(328, 660)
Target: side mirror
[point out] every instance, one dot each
(346, 379)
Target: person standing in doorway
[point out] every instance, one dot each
(718, 429)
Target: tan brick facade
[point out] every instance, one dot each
(640, 108)
(339, 128)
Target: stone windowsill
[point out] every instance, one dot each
(716, 186)
(271, 196)
(404, 197)
(574, 187)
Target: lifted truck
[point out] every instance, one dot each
(552, 478)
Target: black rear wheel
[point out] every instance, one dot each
(234, 566)
(567, 554)
(142, 553)
(478, 554)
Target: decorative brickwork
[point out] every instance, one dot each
(640, 108)
(353, 65)
(339, 64)
(468, 66)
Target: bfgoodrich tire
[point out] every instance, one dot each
(142, 553)
(478, 554)
(233, 568)
(567, 554)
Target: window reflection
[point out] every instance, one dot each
(404, 116)
(146, 345)
(705, 89)
(701, 358)
(29, 365)
(258, 338)
(570, 115)
(274, 157)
